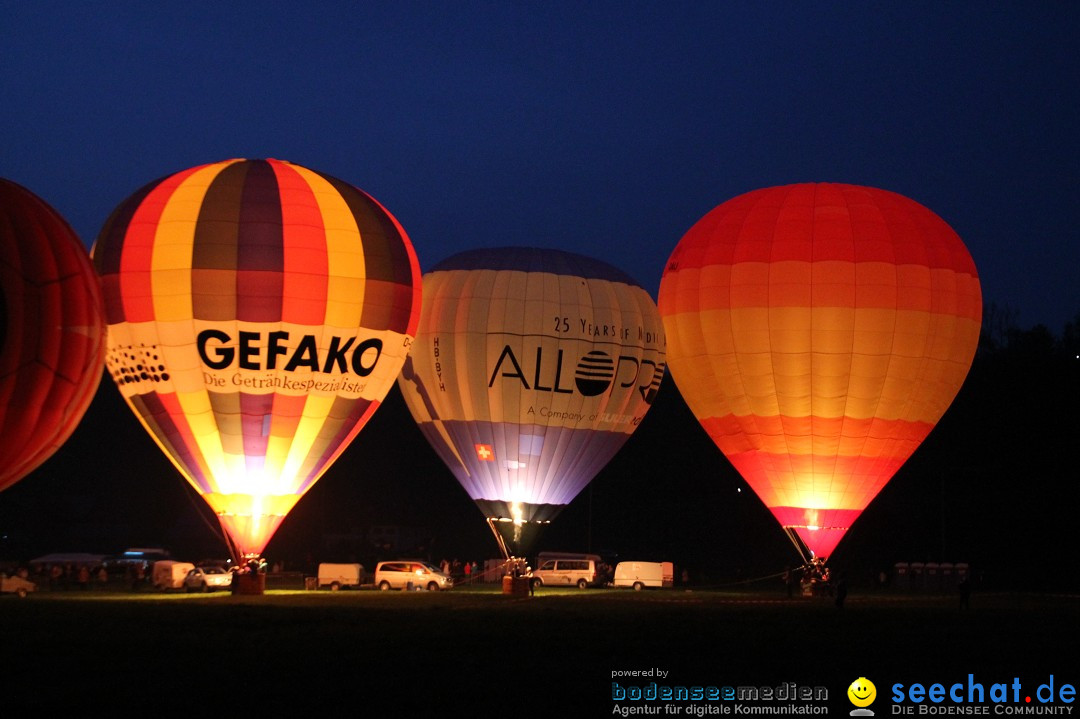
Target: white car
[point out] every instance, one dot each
(402, 574)
(568, 570)
(207, 579)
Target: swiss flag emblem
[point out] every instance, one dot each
(485, 453)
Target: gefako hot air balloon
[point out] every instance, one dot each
(531, 368)
(258, 312)
(818, 332)
(52, 332)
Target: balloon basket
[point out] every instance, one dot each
(249, 583)
(515, 586)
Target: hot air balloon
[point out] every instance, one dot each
(258, 312)
(530, 370)
(52, 332)
(818, 332)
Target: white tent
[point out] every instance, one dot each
(76, 559)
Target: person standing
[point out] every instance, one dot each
(841, 591)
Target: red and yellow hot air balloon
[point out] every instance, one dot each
(258, 312)
(52, 332)
(818, 332)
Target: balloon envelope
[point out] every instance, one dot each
(52, 332)
(258, 313)
(818, 332)
(531, 368)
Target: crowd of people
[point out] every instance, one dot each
(72, 575)
(468, 572)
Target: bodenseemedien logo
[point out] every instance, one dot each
(862, 693)
(681, 699)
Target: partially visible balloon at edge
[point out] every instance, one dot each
(52, 332)
(819, 332)
(258, 313)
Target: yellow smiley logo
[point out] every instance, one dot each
(862, 692)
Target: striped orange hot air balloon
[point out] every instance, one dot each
(819, 332)
(258, 312)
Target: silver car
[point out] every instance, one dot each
(207, 579)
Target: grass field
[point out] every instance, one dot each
(299, 653)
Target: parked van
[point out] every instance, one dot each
(565, 570)
(337, 576)
(168, 574)
(644, 574)
(411, 573)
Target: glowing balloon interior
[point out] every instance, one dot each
(531, 369)
(819, 332)
(258, 312)
(52, 332)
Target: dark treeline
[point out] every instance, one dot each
(1001, 335)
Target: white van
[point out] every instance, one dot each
(337, 576)
(565, 570)
(168, 574)
(644, 574)
(410, 573)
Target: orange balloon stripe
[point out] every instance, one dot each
(824, 284)
(845, 436)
